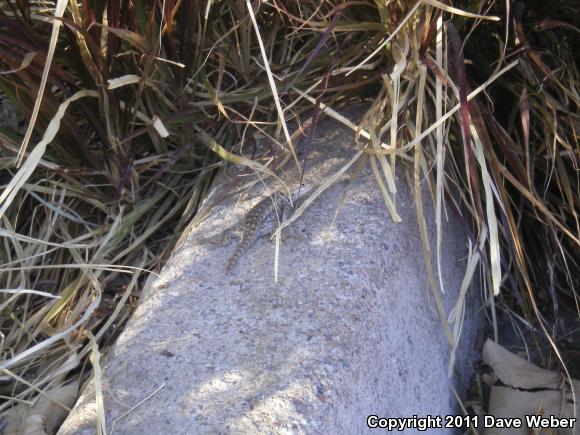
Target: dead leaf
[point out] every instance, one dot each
(523, 389)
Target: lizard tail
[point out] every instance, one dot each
(233, 261)
(242, 247)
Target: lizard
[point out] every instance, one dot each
(252, 226)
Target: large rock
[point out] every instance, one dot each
(350, 329)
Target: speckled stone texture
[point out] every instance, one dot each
(350, 329)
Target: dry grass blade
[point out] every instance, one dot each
(273, 85)
(440, 156)
(418, 191)
(26, 171)
(58, 13)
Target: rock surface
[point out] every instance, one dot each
(350, 328)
